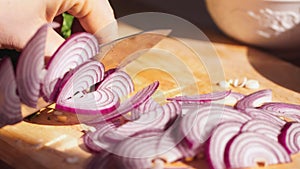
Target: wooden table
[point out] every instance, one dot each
(46, 142)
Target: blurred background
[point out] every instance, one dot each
(196, 12)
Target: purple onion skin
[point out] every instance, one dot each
(282, 137)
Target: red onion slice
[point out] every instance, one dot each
(202, 98)
(155, 119)
(264, 115)
(133, 102)
(255, 99)
(79, 80)
(76, 50)
(141, 151)
(30, 68)
(10, 111)
(291, 111)
(218, 141)
(248, 148)
(198, 123)
(118, 82)
(100, 101)
(147, 106)
(95, 141)
(290, 136)
(263, 127)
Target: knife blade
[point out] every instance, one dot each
(115, 52)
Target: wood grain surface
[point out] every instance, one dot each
(53, 140)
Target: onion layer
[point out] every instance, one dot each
(218, 141)
(10, 111)
(76, 50)
(248, 149)
(255, 99)
(290, 136)
(199, 122)
(30, 68)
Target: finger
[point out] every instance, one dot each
(54, 40)
(95, 16)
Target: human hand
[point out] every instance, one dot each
(20, 19)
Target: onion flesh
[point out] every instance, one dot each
(77, 49)
(10, 111)
(30, 69)
(249, 148)
(255, 99)
(289, 137)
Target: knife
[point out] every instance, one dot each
(144, 40)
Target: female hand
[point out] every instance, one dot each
(20, 19)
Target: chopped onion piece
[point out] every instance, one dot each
(202, 98)
(133, 102)
(118, 82)
(264, 115)
(249, 148)
(263, 127)
(10, 111)
(77, 49)
(80, 79)
(255, 99)
(147, 106)
(197, 125)
(29, 68)
(222, 134)
(290, 136)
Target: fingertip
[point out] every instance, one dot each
(54, 40)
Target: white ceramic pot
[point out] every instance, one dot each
(273, 24)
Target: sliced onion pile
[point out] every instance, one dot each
(138, 132)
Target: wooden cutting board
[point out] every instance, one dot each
(53, 139)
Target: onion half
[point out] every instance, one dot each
(10, 111)
(248, 149)
(30, 69)
(77, 49)
(290, 136)
(221, 135)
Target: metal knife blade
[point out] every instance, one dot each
(115, 52)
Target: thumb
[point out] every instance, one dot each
(95, 16)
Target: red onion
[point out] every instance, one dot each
(118, 82)
(147, 106)
(218, 141)
(290, 111)
(263, 127)
(248, 149)
(264, 115)
(198, 123)
(155, 119)
(95, 141)
(76, 50)
(10, 111)
(142, 150)
(202, 98)
(84, 76)
(255, 99)
(30, 68)
(80, 79)
(290, 136)
(133, 102)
